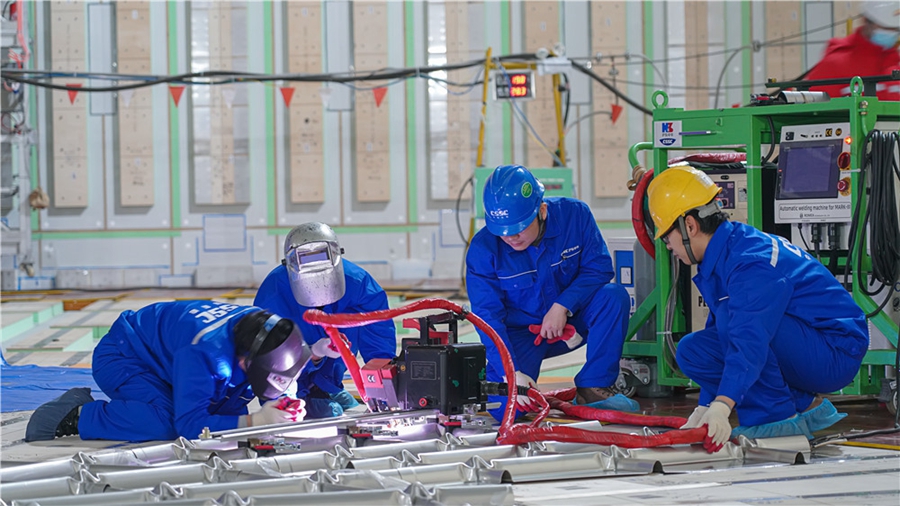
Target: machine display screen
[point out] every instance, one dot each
(809, 171)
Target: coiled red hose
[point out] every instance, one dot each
(637, 214)
(508, 433)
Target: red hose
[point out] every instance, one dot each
(637, 214)
(326, 320)
(349, 360)
(521, 433)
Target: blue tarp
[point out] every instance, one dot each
(25, 387)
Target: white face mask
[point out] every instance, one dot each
(884, 38)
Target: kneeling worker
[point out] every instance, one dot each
(538, 272)
(174, 368)
(315, 275)
(781, 329)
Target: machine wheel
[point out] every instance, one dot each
(892, 404)
(626, 383)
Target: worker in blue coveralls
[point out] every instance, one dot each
(781, 328)
(172, 369)
(315, 275)
(538, 269)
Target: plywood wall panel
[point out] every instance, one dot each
(608, 37)
(541, 30)
(221, 148)
(304, 53)
(696, 41)
(453, 118)
(135, 112)
(784, 61)
(69, 118)
(372, 123)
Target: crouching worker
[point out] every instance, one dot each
(315, 275)
(174, 368)
(537, 273)
(781, 328)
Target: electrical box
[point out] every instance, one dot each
(514, 85)
(814, 174)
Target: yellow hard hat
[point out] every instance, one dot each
(674, 192)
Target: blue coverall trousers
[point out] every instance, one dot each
(602, 323)
(141, 396)
(800, 364)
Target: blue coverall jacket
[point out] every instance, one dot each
(781, 327)
(511, 290)
(363, 294)
(169, 370)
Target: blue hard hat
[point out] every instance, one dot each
(512, 199)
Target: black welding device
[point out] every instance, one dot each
(433, 371)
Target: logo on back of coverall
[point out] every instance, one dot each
(526, 190)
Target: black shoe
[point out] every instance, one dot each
(69, 425)
(58, 417)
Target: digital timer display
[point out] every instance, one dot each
(514, 85)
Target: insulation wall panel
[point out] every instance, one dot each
(69, 116)
(304, 55)
(696, 42)
(784, 61)
(135, 106)
(610, 142)
(453, 117)
(541, 30)
(220, 116)
(372, 122)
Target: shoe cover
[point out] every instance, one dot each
(822, 416)
(322, 408)
(46, 418)
(793, 426)
(617, 402)
(346, 400)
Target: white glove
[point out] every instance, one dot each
(716, 420)
(278, 411)
(523, 402)
(694, 420)
(325, 348)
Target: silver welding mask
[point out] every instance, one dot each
(312, 257)
(272, 372)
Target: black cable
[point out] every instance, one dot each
(228, 77)
(568, 91)
(462, 189)
(884, 232)
(800, 231)
(584, 70)
(765, 160)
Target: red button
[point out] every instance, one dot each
(843, 160)
(843, 184)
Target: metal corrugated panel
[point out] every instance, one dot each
(458, 469)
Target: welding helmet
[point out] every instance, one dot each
(674, 192)
(883, 14)
(275, 352)
(312, 257)
(512, 198)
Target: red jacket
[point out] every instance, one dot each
(855, 55)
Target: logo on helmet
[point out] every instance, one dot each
(499, 213)
(526, 189)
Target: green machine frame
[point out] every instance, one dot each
(747, 130)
